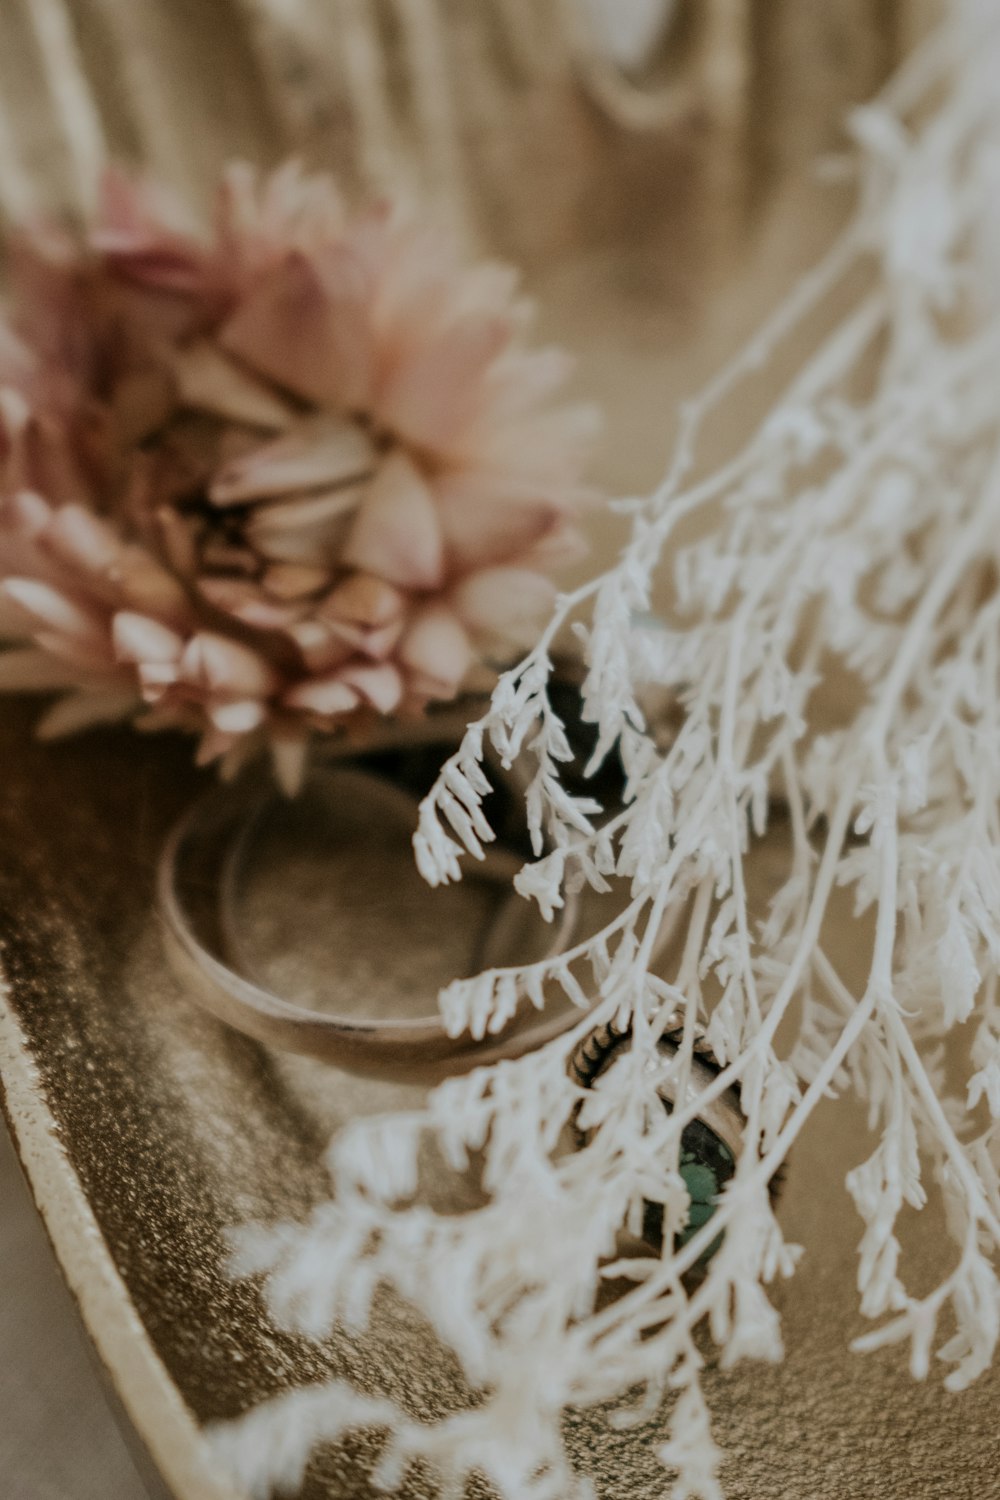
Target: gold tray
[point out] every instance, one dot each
(145, 1129)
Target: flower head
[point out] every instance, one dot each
(318, 439)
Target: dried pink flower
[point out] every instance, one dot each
(290, 474)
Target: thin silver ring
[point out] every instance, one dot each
(418, 1050)
(722, 1114)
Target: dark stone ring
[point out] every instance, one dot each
(710, 1144)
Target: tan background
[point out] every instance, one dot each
(58, 1440)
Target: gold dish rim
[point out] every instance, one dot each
(152, 1403)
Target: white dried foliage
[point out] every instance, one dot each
(858, 528)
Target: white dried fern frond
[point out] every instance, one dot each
(859, 527)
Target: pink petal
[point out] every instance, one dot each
(220, 666)
(527, 378)
(45, 605)
(364, 600)
(435, 390)
(28, 513)
(366, 612)
(29, 670)
(172, 714)
(14, 625)
(87, 656)
(149, 589)
(82, 710)
(310, 531)
(503, 600)
(347, 281)
(210, 382)
(375, 644)
(319, 452)
(137, 638)
(159, 266)
(307, 326)
(35, 450)
(322, 645)
(178, 540)
(550, 447)
(135, 205)
(292, 202)
(121, 205)
(81, 539)
(155, 678)
(243, 749)
(484, 523)
(562, 547)
(245, 602)
(436, 650)
(396, 533)
(213, 745)
(145, 235)
(289, 756)
(308, 511)
(380, 686)
(142, 401)
(292, 581)
(15, 412)
(237, 718)
(324, 695)
(17, 363)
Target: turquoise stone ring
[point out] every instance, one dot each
(710, 1144)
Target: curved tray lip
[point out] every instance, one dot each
(161, 1419)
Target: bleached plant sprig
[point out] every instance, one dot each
(856, 530)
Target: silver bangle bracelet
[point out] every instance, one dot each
(198, 891)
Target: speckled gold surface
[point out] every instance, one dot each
(146, 1128)
(176, 1128)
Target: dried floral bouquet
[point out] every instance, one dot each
(286, 475)
(857, 529)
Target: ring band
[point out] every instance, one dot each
(710, 1144)
(418, 1050)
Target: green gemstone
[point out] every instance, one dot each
(706, 1165)
(700, 1181)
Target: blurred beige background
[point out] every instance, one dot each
(58, 1439)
